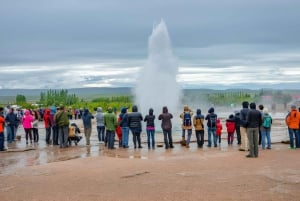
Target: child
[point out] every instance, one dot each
(230, 125)
(219, 130)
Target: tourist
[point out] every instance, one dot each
(47, 123)
(11, 121)
(124, 127)
(135, 125)
(100, 124)
(198, 122)
(253, 120)
(87, 125)
(211, 118)
(237, 126)
(62, 121)
(243, 126)
(292, 121)
(27, 120)
(35, 125)
(260, 109)
(150, 128)
(53, 112)
(230, 127)
(2, 122)
(166, 126)
(219, 129)
(119, 131)
(110, 122)
(266, 129)
(186, 117)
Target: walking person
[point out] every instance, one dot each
(237, 126)
(198, 122)
(266, 129)
(253, 120)
(110, 122)
(2, 122)
(100, 124)
(135, 125)
(27, 120)
(292, 121)
(243, 126)
(186, 125)
(87, 125)
(211, 118)
(230, 126)
(166, 125)
(124, 127)
(47, 123)
(62, 121)
(150, 128)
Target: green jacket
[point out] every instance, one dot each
(61, 119)
(110, 121)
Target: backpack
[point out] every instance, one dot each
(212, 120)
(187, 120)
(267, 122)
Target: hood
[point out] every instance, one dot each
(252, 106)
(150, 111)
(85, 111)
(211, 110)
(52, 109)
(134, 108)
(198, 112)
(27, 112)
(99, 109)
(218, 120)
(123, 110)
(245, 104)
(47, 111)
(231, 117)
(109, 110)
(186, 108)
(165, 109)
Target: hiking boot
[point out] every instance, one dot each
(187, 146)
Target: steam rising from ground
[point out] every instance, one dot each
(156, 85)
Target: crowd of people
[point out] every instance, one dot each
(251, 125)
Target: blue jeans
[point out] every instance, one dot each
(125, 136)
(1, 141)
(168, 138)
(110, 139)
(150, 133)
(265, 134)
(212, 131)
(189, 132)
(10, 133)
(293, 132)
(101, 131)
(298, 138)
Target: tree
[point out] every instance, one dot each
(20, 99)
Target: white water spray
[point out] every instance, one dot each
(156, 85)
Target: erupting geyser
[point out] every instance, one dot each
(156, 85)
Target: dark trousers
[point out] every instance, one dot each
(28, 134)
(1, 141)
(200, 137)
(48, 135)
(136, 138)
(101, 131)
(110, 139)
(238, 134)
(168, 138)
(35, 134)
(63, 133)
(55, 135)
(259, 137)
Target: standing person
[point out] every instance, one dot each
(35, 125)
(230, 126)
(124, 127)
(243, 126)
(47, 123)
(198, 122)
(253, 120)
(100, 124)
(62, 121)
(119, 132)
(135, 125)
(150, 128)
(2, 122)
(27, 120)
(266, 129)
(54, 126)
(237, 126)
(260, 109)
(186, 125)
(110, 122)
(219, 129)
(211, 118)
(292, 121)
(87, 125)
(11, 121)
(166, 126)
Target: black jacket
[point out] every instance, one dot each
(253, 118)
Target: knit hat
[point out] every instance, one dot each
(293, 106)
(265, 111)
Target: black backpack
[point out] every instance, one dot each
(212, 120)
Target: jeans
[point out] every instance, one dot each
(110, 139)
(35, 134)
(48, 135)
(150, 133)
(136, 138)
(253, 135)
(10, 133)
(1, 141)
(293, 132)
(200, 137)
(168, 138)
(298, 138)
(125, 136)
(101, 131)
(63, 133)
(212, 131)
(265, 134)
(55, 135)
(189, 132)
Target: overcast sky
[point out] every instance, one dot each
(93, 43)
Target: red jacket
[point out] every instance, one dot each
(119, 130)
(230, 125)
(219, 128)
(47, 118)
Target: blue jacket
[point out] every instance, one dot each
(87, 119)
